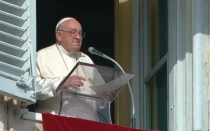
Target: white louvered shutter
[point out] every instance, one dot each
(18, 49)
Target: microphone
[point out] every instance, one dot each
(98, 53)
(94, 51)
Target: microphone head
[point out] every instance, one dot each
(90, 49)
(96, 52)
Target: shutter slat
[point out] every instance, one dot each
(14, 40)
(10, 59)
(9, 76)
(11, 8)
(11, 49)
(12, 29)
(12, 19)
(11, 69)
(15, 2)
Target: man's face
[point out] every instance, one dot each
(70, 35)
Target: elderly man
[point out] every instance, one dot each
(54, 63)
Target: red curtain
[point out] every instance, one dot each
(60, 123)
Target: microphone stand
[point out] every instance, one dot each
(133, 119)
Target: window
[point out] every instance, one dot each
(156, 75)
(163, 63)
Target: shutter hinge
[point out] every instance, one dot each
(24, 82)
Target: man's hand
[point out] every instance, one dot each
(74, 81)
(109, 95)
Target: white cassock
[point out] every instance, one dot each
(53, 64)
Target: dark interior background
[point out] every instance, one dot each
(95, 16)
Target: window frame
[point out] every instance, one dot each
(179, 71)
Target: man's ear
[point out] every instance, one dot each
(58, 36)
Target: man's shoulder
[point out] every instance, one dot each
(83, 54)
(47, 49)
(86, 57)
